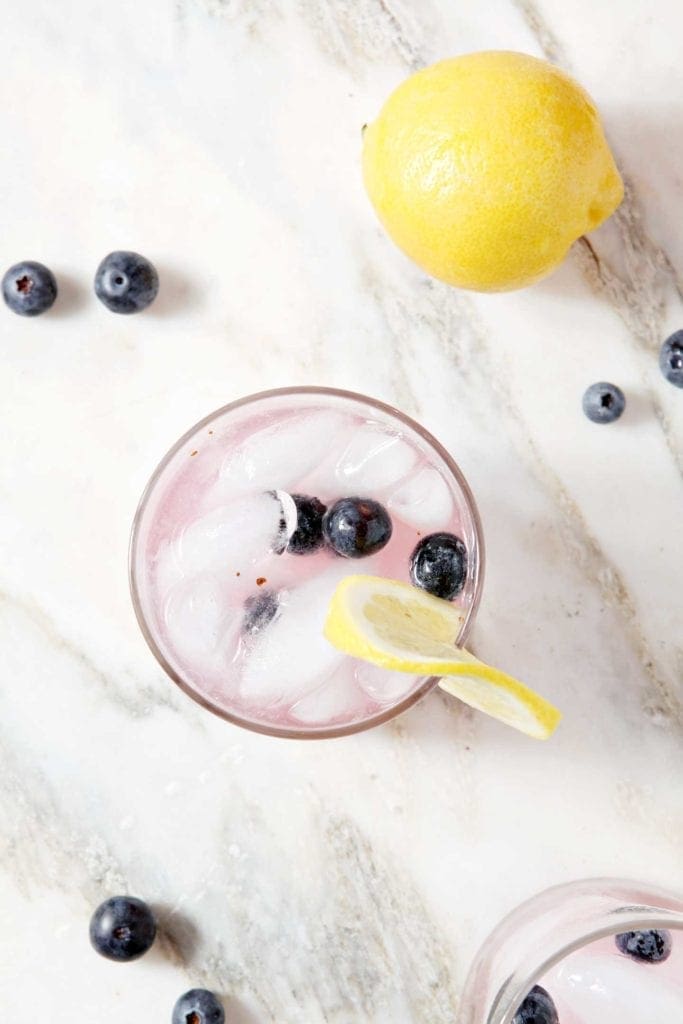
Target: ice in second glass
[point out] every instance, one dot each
(599, 984)
(237, 621)
(594, 951)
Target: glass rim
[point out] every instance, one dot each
(327, 732)
(657, 908)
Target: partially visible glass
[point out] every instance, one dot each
(575, 925)
(194, 586)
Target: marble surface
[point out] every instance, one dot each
(350, 880)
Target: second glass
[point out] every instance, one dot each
(600, 951)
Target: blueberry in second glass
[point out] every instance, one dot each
(537, 1008)
(439, 565)
(198, 1006)
(29, 288)
(122, 928)
(308, 536)
(671, 359)
(603, 402)
(126, 282)
(652, 946)
(356, 527)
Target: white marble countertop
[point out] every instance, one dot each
(352, 880)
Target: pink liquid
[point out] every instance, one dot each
(205, 549)
(600, 985)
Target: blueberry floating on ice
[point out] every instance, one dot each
(198, 1006)
(122, 928)
(671, 359)
(439, 565)
(652, 946)
(537, 1008)
(356, 527)
(259, 610)
(126, 282)
(29, 288)
(308, 535)
(603, 402)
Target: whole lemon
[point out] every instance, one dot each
(485, 168)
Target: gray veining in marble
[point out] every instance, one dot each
(351, 880)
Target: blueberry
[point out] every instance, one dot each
(126, 282)
(259, 610)
(308, 536)
(439, 565)
(652, 946)
(603, 402)
(671, 359)
(537, 1008)
(29, 288)
(198, 1006)
(122, 928)
(356, 527)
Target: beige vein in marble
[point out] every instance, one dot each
(638, 296)
(146, 698)
(450, 308)
(550, 45)
(670, 439)
(371, 948)
(351, 29)
(585, 549)
(638, 292)
(39, 850)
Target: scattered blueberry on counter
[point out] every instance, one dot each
(308, 535)
(122, 928)
(671, 359)
(198, 1006)
(652, 946)
(439, 565)
(29, 288)
(537, 1008)
(126, 282)
(356, 527)
(603, 402)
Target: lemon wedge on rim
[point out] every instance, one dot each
(402, 628)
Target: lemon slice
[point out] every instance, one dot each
(402, 628)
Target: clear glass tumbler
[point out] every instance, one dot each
(549, 928)
(252, 442)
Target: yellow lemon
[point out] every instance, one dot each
(403, 629)
(485, 168)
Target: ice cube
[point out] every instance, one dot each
(197, 621)
(290, 658)
(384, 686)
(373, 460)
(607, 989)
(279, 456)
(424, 500)
(337, 700)
(232, 537)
